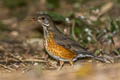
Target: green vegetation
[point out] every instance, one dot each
(56, 16)
(12, 4)
(53, 4)
(3, 27)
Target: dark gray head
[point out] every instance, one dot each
(45, 20)
(47, 23)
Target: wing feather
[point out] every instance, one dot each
(68, 43)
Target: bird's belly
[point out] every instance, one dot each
(56, 57)
(58, 52)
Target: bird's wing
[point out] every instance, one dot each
(68, 43)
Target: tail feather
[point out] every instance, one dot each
(89, 55)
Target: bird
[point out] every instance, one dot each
(59, 46)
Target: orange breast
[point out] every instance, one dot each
(58, 50)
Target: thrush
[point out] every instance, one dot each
(59, 46)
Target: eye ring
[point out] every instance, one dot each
(43, 18)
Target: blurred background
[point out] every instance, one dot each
(95, 24)
(86, 21)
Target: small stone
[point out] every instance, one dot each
(14, 33)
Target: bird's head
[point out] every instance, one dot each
(44, 19)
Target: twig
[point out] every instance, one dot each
(107, 7)
(7, 67)
(73, 32)
(17, 58)
(34, 60)
(24, 61)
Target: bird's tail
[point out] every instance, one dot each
(89, 55)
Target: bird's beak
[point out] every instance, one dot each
(34, 19)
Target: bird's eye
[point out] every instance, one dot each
(43, 18)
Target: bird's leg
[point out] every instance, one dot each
(71, 62)
(61, 65)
